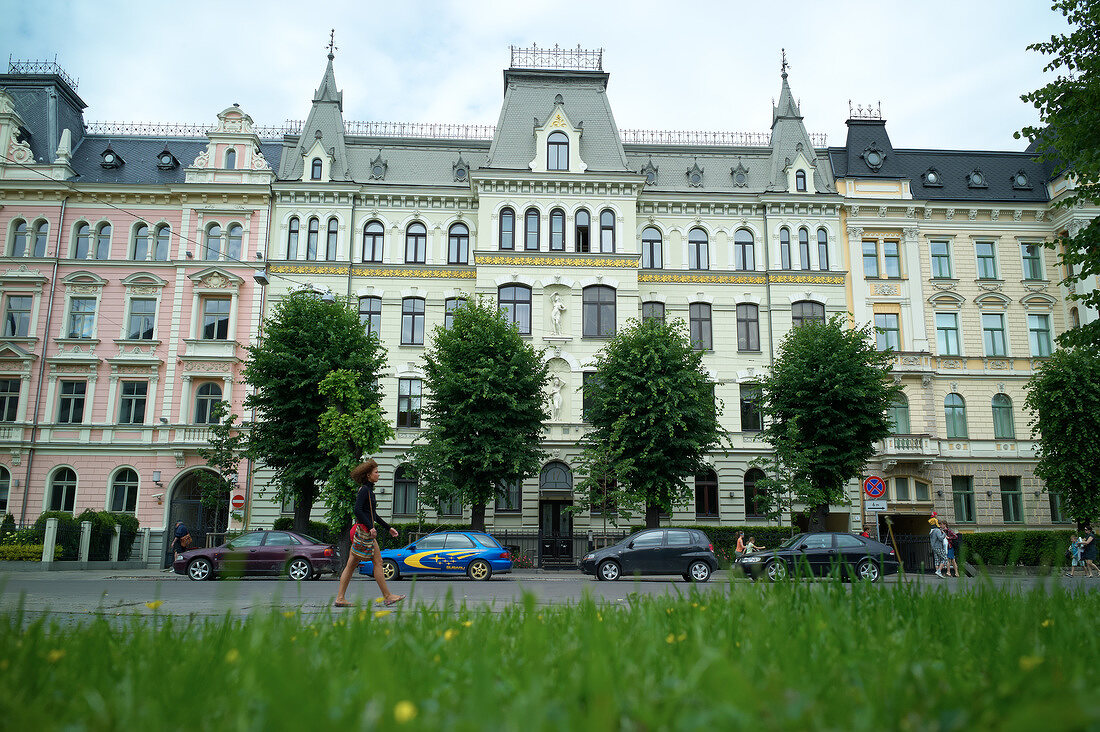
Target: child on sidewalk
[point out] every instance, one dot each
(1074, 555)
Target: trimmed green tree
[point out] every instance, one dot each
(484, 409)
(1064, 399)
(653, 417)
(305, 339)
(1069, 137)
(227, 447)
(824, 406)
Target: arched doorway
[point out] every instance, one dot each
(207, 524)
(555, 522)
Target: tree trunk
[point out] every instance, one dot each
(817, 516)
(652, 515)
(304, 496)
(477, 517)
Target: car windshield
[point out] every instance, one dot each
(486, 540)
(790, 542)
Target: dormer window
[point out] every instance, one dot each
(110, 159)
(557, 151)
(230, 159)
(1020, 181)
(695, 176)
(650, 173)
(166, 160)
(378, 167)
(800, 181)
(976, 179)
(740, 175)
(315, 170)
(461, 170)
(874, 157)
(932, 178)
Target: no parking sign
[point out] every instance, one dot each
(874, 486)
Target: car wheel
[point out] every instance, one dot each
(479, 569)
(608, 570)
(868, 570)
(299, 569)
(199, 569)
(776, 570)
(698, 572)
(389, 570)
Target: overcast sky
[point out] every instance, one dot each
(948, 74)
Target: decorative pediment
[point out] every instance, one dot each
(144, 279)
(740, 175)
(13, 351)
(976, 179)
(649, 170)
(1038, 301)
(992, 301)
(947, 299)
(234, 119)
(461, 170)
(694, 175)
(85, 278)
(558, 121)
(378, 167)
(932, 178)
(23, 275)
(213, 278)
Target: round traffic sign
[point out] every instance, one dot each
(238, 501)
(874, 486)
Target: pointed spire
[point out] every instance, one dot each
(328, 92)
(786, 107)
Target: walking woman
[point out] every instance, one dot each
(364, 546)
(1089, 549)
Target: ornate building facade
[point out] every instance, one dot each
(573, 225)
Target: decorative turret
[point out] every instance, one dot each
(793, 161)
(322, 137)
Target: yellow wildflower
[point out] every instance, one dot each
(468, 623)
(449, 633)
(288, 614)
(154, 604)
(382, 613)
(232, 655)
(55, 655)
(404, 711)
(671, 638)
(1047, 623)
(1029, 662)
(682, 637)
(378, 600)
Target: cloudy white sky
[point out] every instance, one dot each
(948, 74)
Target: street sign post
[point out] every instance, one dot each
(874, 487)
(237, 501)
(876, 505)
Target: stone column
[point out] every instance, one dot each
(115, 541)
(49, 543)
(85, 541)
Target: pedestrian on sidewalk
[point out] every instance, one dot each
(952, 548)
(740, 550)
(181, 542)
(364, 546)
(1074, 552)
(1089, 549)
(938, 541)
(752, 546)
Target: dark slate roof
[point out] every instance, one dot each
(325, 123)
(34, 103)
(140, 158)
(717, 164)
(414, 162)
(864, 135)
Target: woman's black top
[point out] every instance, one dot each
(366, 508)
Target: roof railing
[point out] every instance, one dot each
(40, 67)
(442, 130)
(707, 138)
(566, 59)
(183, 129)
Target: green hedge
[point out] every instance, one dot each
(1029, 548)
(25, 552)
(103, 530)
(317, 529)
(68, 533)
(129, 526)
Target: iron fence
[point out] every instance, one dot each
(915, 553)
(128, 546)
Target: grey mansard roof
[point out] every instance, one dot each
(140, 156)
(717, 164)
(325, 123)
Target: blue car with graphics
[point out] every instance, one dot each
(473, 553)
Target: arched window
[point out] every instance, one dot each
(706, 495)
(700, 328)
(164, 239)
(583, 226)
(822, 249)
(556, 476)
(373, 236)
(557, 230)
(754, 506)
(19, 240)
(557, 151)
(531, 229)
(330, 241)
(897, 414)
(103, 242)
(315, 170)
(698, 250)
(370, 314)
(507, 228)
(234, 238)
(40, 233)
(313, 231)
(653, 310)
(800, 181)
(458, 244)
(205, 398)
(785, 248)
(744, 250)
(807, 311)
(404, 491)
(955, 412)
(124, 489)
(83, 241)
(416, 243)
(607, 231)
(5, 488)
(598, 311)
(230, 159)
(1074, 318)
(213, 247)
(140, 248)
(412, 321)
(804, 248)
(651, 248)
(515, 302)
(449, 306)
(1004, 427)
(62, 491)
(292, 238)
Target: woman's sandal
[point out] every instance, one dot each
(341, 604)
(394, 600)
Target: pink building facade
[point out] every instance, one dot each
(128, 298)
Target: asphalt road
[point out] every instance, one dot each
(71, 596)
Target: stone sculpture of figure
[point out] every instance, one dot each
(557, 309)
(556, 385)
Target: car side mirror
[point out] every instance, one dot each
(630, 545)
(412, 548)
(802, 548)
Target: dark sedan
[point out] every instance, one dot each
(298, 556)
(686, 552)
(822, 554)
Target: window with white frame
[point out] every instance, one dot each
(315, 169)
(17, 316)
(582, 223)
(412, 321)
(987, 259)
(807, 311)
(292, 238)
(1004, 427)
(744, 250)
(557, 151)
(70, 406)
(651, 248)
(887, 332)
(370, 314)
(212, 246)
(132, 403)
(515, 302)
(891, 259)
(947, 334)
(103, 242)
(607, 231)
(416, 243)
(333, 235)
(19, 239)
(409, 393)
(748, 327)
(82, 317)
(313, 232)
(206, 396)
(598, 311)
(941, 259)
(1032, 261)
(373, 237)
(449, 306)
(62, 491)
(698, 250)
(507, 229)
(700, 326)
(1038, 327)
(9, 399)
(458, 244)
(653, 310)
(822, 249)
(142, 319)
(531, 229)
(954, 408)
(139, 250)
(993, 334)
(234, 238)
(870, 258)
(162, 243)
(124, 490)
(557, 230)
(804, 248)
(215, 318)
(83, 241)
(785, 248)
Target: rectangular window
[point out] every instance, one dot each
(887, 333)
(751, 418)
(947, 334)
(993, 334)
(509, 497)
(408, 402)
(449, 306)
(17, 316)
(450, 507)
(941, 259)
(891, 258)
(1057, 512)
(1012, 507)
(142, 315)
(987, 260)
(287, 505)
(82, 317)
(132, 406)
(748, 327)
(920, 491)
(870, 259)
(1038, 327)
(9, 399)
(370, 315)
(71, 407)
(901, 489)
(215, 319)
(699, 325)
(653, 311)
(412, 321)
(404, 497)
(1033, 261)
(588, 383)
(962, 496)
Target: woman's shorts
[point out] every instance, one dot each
(363, 546)
(950, 553)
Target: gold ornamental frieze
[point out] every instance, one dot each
(361, 271)
(627, 261)
(821, 279)
(715, 279)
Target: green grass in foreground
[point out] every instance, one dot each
(764, 657)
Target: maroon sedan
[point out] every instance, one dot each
(298, 556)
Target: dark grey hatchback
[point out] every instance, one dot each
(686, 552)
